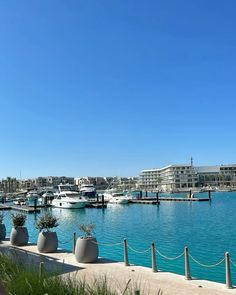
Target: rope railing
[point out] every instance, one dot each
(138, 251)
(207, 265)
(107, 245)
(153, 250)
(169, 258)
(65, 242)
(233, 263)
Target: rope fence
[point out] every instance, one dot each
(187, 256)
(169, 258)
(207, 265)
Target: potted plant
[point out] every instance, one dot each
(2, 228)
(19, 234)
(86, 249)
(47, 239)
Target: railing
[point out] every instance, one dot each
(154, 252)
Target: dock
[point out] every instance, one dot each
(145, 201)
(25, 209)
(185, 199)
(160, 199)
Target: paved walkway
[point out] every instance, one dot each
(118, 275)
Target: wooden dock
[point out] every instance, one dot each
(145, 201)
(5, 207)
(154, 200)
(185, 199)
(25, 209)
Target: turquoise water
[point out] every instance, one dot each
(207, 228)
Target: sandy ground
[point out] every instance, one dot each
(116, 274)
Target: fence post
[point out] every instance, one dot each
(186, 264)
(154, 263)
(227, 272)
(126, 259)
(40, 270)
(74, 242)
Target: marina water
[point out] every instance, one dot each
(207, 228)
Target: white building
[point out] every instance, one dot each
(185, 177)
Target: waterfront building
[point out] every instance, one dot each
(169, 178)
(184, 177)
(9, 185)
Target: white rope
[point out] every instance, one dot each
(66, 241)
(108, 245)
(137, 251)
(169, 258)
(233, 263)
(207, 265)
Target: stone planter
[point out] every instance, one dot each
(19, 236)
(2, 232)
(47, 242)
(86, 250)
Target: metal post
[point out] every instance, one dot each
(40, 269)
(209, 195)
(97, 198)
(126, 259)
(186, 264)
(102, 200)
(154, 263)
(227, 272)
(190, 194)
(74, 242)
(157, 195)
(140, 194)
(35, 204)
(146, 194)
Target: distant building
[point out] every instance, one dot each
(172, 177)
(184, 177)
(9, 185)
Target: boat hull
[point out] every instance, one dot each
(68, 205)
(118, 201)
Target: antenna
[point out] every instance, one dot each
(191, 160)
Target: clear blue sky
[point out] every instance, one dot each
(105, 87)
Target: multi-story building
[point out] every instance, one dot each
(9, 185)
(172, 177)
(184, 177)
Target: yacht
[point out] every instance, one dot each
(47, 197)
(32, 195)
(119, 198)
(68, 198)
(88, 191)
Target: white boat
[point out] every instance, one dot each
(32, 195)
(47, 197)
(68, 198)
(88, 191)
(19, 201)
(119, 198)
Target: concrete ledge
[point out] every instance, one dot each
(117, 275)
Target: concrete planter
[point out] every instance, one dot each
(47, 242)
(2, 232)
(86, 250)
(19, 236)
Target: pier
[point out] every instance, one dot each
(25, 209)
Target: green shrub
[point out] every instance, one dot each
(47, 221)
(18, 219)
(87, 229)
